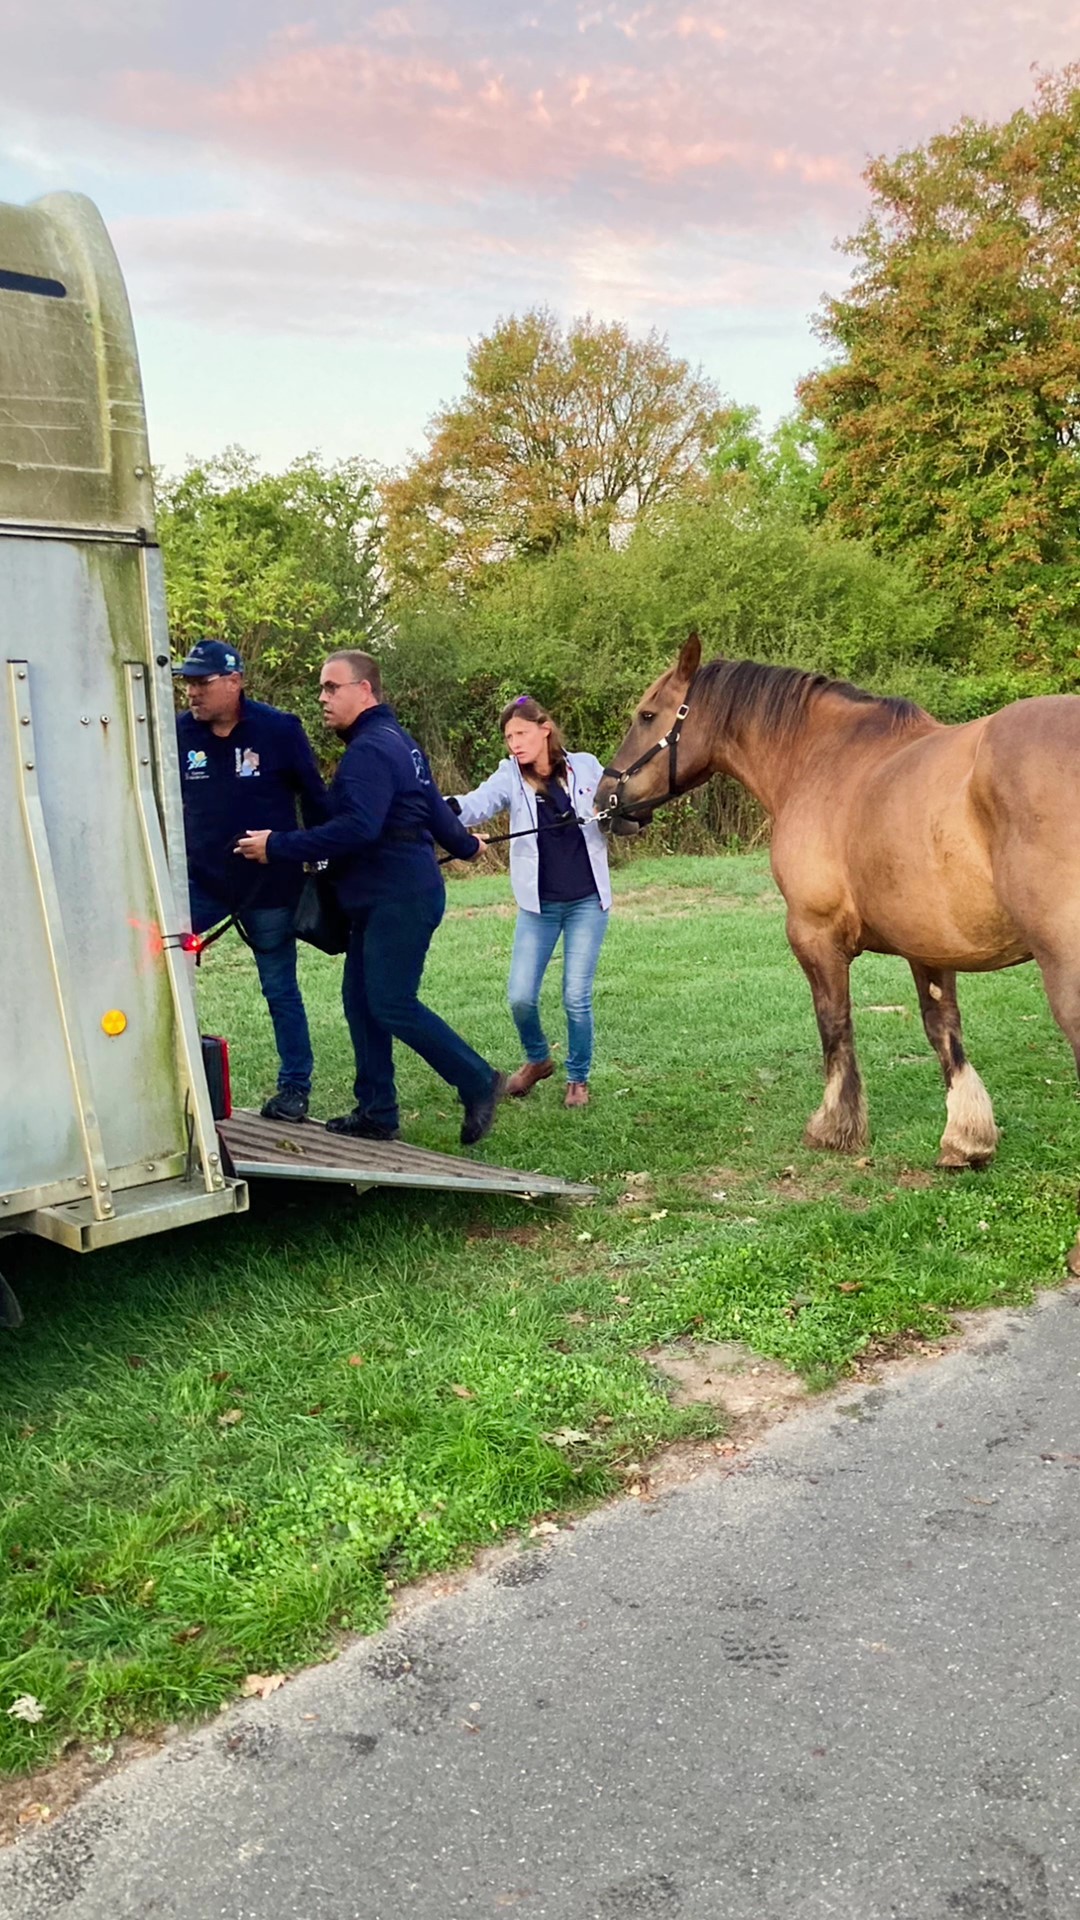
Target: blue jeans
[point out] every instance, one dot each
(269, 931)
(388, 943)
(583, 924)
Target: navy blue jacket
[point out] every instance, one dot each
(385, 815)
(253, 777)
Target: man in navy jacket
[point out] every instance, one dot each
(238, 756)
(385, 815)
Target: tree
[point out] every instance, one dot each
(781, 472)
(557, 435)
(953, 407)
(283, 565)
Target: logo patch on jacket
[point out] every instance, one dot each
(196, 764)
(422, 775)
(247, 764)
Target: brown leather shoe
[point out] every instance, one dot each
(527, 1075)
(577, 1094)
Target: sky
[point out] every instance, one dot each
(317, 208)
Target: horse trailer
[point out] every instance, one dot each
(107, 1126)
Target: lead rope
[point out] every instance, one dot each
(521, 833)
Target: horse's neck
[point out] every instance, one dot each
(758, 763)
(818, 750)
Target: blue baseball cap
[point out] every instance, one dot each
(207, 657)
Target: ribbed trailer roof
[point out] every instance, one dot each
(73, 445)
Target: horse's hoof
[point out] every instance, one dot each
(834, 1142)
(952, 1160)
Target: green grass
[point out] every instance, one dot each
(406, 1367)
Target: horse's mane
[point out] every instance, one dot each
(728, 691)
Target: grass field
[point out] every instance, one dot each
(222, 1448)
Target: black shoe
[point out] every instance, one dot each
(480, 1114)
(288, 1103)
(357, 1126)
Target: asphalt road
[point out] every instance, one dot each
(840, 1681)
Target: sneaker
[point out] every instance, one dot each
(357, 1126)
(288, 1103)
(480, 1114)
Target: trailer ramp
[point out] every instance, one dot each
(304, 1150)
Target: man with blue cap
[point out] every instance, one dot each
(239, 756)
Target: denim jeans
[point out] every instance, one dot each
(269, 931)
(388, 943)
(583, 924)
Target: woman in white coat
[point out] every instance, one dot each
(560, 880)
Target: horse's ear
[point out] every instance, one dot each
(689, 659)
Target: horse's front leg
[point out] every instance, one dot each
(971, 1135)
(840, 1122)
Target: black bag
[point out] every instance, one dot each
(319, 918)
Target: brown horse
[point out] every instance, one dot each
(956, 847)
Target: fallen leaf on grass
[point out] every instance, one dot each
(262, 1685)
(577, 1319)
(221, 1376)
(28, 1709)
(230, 1418)
(542, 1527)
(463, 1393)
(850, 1286)
(622, 1299)
(566, 1437)
(584, 1236)
(33, 1815)
(662, 1215)
(356, 1359)
(188, 1633)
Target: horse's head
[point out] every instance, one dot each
(663, 753)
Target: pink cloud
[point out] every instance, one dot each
(377, 113)
(747, 117)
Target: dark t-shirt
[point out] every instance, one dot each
(565, 868)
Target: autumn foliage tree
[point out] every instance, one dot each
(557, 434)
(953, 405)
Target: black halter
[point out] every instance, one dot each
(670, 741)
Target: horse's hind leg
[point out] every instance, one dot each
(840, 1122)
(971, 1135)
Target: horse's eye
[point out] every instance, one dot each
(646, 716)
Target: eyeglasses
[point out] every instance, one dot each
(335, 686)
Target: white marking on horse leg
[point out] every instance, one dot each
(971, 1134)
(841, 1125)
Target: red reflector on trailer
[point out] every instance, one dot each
(215, 1053)
(191, 943)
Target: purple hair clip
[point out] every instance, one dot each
(521, 699)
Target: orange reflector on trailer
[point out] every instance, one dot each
(113, 1022)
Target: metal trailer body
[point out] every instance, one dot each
(106, 1126)
(106, 1129)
